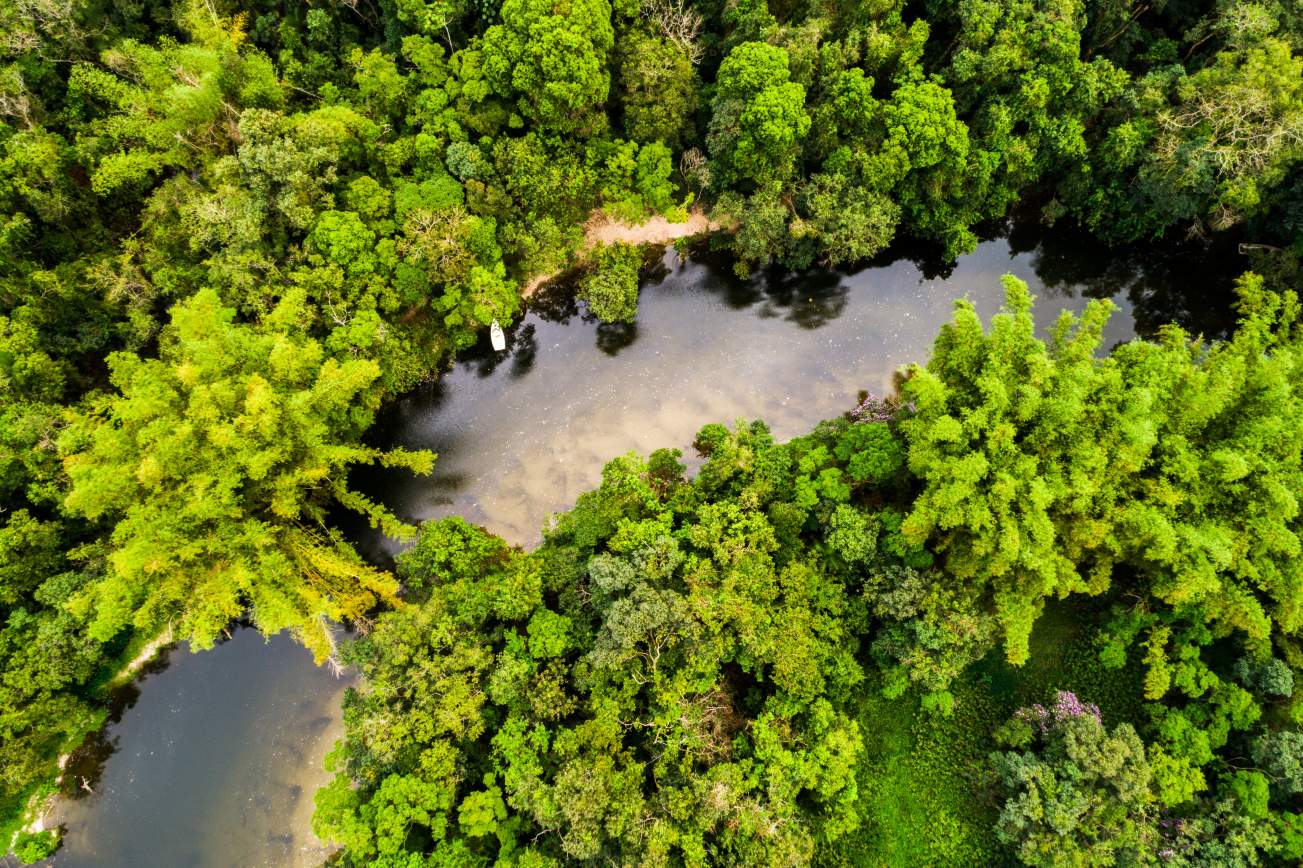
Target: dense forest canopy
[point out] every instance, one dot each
(679, 674)
(230, 229)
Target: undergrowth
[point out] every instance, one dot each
(925, 783)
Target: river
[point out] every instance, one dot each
(213, 759)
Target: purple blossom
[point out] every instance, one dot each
(873, 409)
(1066, 705)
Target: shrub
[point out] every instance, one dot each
(611, 287)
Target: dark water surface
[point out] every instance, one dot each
(216, 761)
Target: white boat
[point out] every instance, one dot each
(498, 338)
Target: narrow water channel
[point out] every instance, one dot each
(216, 761)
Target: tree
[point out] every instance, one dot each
(1017, 71)
(1203, 144)
(1280, 755)
(552, 60)
(173, 106)
(1044, 467)
(1076, 794)
(1236, 128)
(853, 223)
(1003, 432)
(758, 116)
(658, 89)
(214, 465)
(611, 287)
(932, 146)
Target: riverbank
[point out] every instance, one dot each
(43, 804)
(601, 229)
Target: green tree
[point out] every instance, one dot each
(552, 60)
(758, 116)
(213, 466)
(611, 287)
(170, 106)
(1076, 794)
(1021, 448)
(1017, 71)
(658, 89)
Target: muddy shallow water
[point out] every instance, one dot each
(216, 759)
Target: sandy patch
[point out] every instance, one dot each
(601, 229)
(152, 647)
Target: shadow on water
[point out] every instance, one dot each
(555, 302)
(524, 352)
(810, 298)
(85, 767)
(927, 256)
(615, 336)
(1190, 283)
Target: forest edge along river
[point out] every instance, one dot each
(212, 759)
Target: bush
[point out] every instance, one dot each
(611, 286)
(32, 847)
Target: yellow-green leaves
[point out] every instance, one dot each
(1044, 464)
(214, 465)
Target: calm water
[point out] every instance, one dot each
(521, 435)
(216, 761)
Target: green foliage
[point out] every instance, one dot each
(1018, 456)
(1280, 755)
(926, 783)
(657, 87)
(1206, 144)
(758, 116)
(1082, 795)
(1045, 466)
(32, 847)
(213, 465)
(689, 645)
(1017, 67)
(1152, 408)
(552, 60)
(230, 230)
(611, 286)
(916, 787)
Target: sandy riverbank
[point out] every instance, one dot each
(600, 229)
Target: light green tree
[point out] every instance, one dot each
(213, 466)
